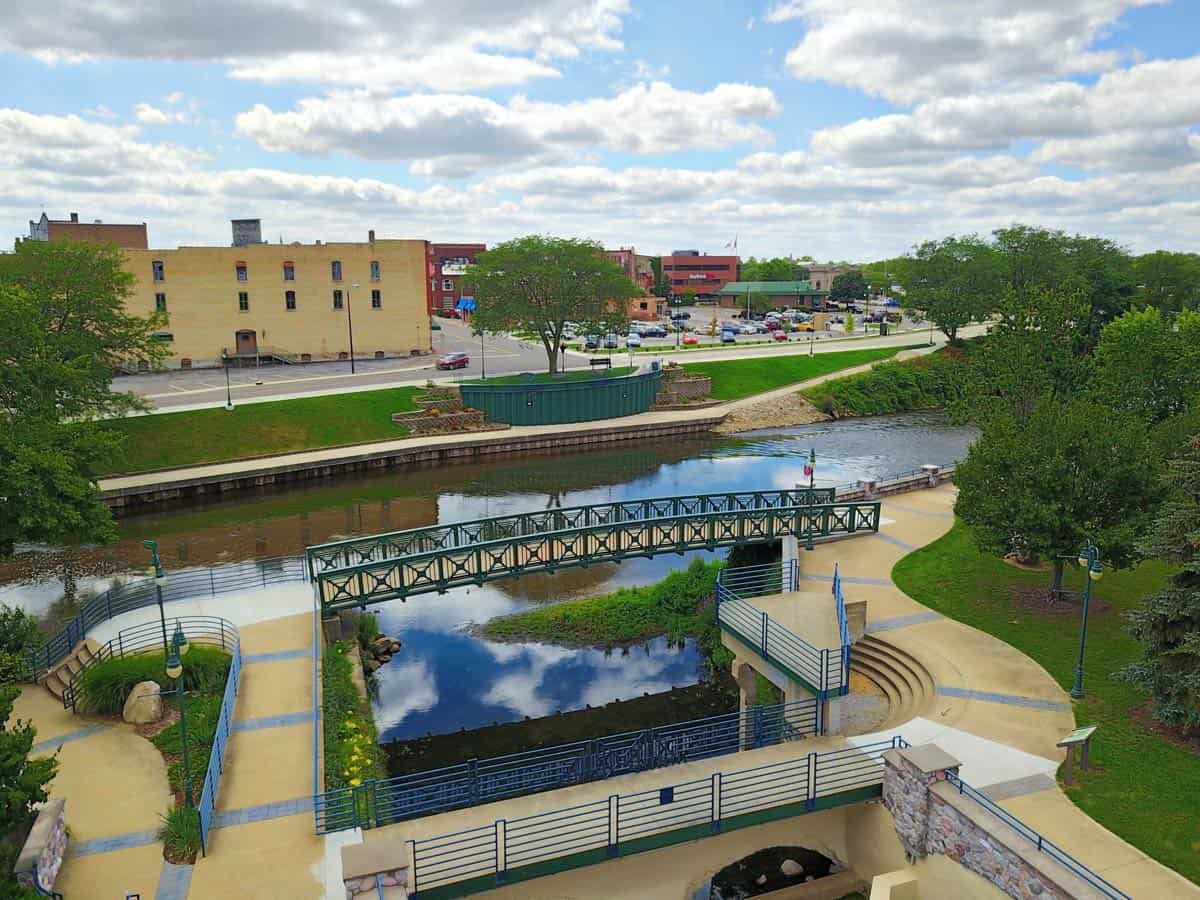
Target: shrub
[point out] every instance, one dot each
(104, 687)
(366, 629)
(351, 741)
(19, 634)
(926, 382)
(203, 713)
(180, 833)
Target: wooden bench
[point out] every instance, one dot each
(600, 362)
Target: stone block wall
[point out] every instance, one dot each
(45, 847)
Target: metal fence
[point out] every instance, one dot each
(505, 851)
(843, 624)
(380, 802)
(824, 671)
(1043, 844)
(181, 585)
(216, 759)
(569, 400)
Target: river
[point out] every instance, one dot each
(445, 678)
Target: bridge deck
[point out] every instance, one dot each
(811, 615)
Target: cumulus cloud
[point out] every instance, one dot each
(153, 115)
(457, 134)
(438, 44)
(913, 50)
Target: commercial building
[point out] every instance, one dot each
(640, 271)
(777, 294)
(447, 263)
(822, 274)
(692, 273)
(286, 302)
(126, 236)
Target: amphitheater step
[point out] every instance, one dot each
(903, 679)
(80, 657)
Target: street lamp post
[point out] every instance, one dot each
(228, 395)
(179, 649)
(811, 472)
(350, 323)
(1089, 560)
(482, 356)
(160, 578)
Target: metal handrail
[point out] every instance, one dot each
(216, 758)
(382, 801)
(843, 624)
(1043, 844)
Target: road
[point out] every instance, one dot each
(200, 389)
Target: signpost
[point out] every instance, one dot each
(1082, 738)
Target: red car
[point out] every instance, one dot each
(449, 313)
(454, 361)
(780, 335)
(690, 340)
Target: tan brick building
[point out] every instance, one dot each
(290, 302)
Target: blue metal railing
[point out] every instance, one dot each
(481, 858)
(380, 802)
(216, 759)
(180, 585)
(843, 625)
(1043, 844)
(824, 671)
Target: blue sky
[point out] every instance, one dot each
(838, 129)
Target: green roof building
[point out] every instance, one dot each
(773, 294)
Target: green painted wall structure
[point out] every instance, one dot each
(582, 400)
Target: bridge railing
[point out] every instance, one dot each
(823, 670)
(1043, 844)
(396, 544)
(506, 851)
(180, 585)
(383, 801)
(480, 561)
(843, 623)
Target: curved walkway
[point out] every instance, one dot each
(994, 708)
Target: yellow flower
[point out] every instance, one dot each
(355, 782)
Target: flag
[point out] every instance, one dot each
(732, 245)
(811, 465)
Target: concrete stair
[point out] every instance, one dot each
(901, 677)
(81, 656)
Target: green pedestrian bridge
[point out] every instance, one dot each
(400, 564)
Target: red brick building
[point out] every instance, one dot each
(447, 263)
(638, 270)
(691, 272)
(129, 237)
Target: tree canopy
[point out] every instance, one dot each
(65, 329)
(1148, 365)
(780, 268)
(848, 287)
(1169, 281)
(538, 284)
(952, 282)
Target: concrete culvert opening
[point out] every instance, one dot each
(767, 870)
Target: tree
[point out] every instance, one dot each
(1168, 623)
(1043, 485)
(953, 281)
(65, 329)
(19, 635)
(662, 284)
(1169, 281)
(538, 284)
(23, 781)
(777, 269)
(848, 287)
(1149, 366)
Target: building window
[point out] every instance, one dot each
(643, 305)
(376, 300)
(163, 337)
(160, 302)
(289, 272)
(243, 301)
(374, 270)
(242, 274)
(157, 268)
(447, 284)
(335, 269)
(289, 299)
(337, 299)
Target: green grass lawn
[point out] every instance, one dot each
(736, 378)
(178, 439)
(547, 378)
(1141, 786)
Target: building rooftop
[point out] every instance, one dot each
(769, 287)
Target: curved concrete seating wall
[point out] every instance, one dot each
(583, 400)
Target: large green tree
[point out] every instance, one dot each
(1148, 365)
(952, 282)
(779, 268)
(66, 328)
(1169, 281)
(1041, 485)
(23, 781)
(848, 287)
(1168, 624)
(538, 284)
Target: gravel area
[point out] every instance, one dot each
(777, 412)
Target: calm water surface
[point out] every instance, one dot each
(444, 678)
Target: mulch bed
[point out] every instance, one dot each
(1144, 715)
(1041, 600)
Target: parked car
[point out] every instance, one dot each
(678, 314)
(611, 342)
(780, 335)
(633, 339)
(728, 337)
(454, 361)
(591, 342)
(449, 313)
(690, 340)
(653, 330)
(804, 326)
(773, 325)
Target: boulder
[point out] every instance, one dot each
(790, 867)
(144, 704)
(381, 644)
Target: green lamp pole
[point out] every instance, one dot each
(1089, 560)
(179, 648)
(812, 486)
(160, 578)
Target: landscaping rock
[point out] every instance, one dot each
(790, 867)
(144, 704)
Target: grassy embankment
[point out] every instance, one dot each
(924, 382)
(170, 440)
(737, 378)
(352, 753)
(1143, 785)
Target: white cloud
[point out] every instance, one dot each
(153, 115)
(912, 50)
(435, 44)
(457, 134)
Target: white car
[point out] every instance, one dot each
(751, 328)
(633, 340)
